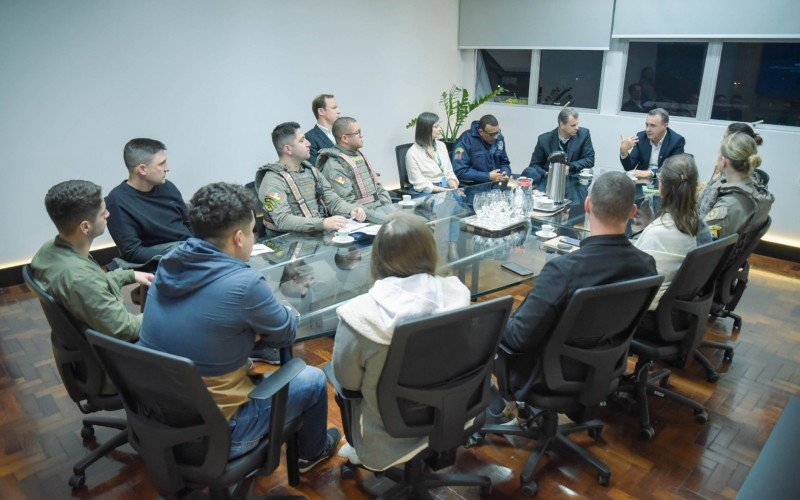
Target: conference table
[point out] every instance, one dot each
(315, 275)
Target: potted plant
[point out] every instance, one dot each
(457, 106)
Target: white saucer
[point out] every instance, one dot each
(409, 203)
(585, 176)
(343, 240)
(542, 234)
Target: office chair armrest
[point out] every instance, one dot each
(277, 380)
(503, 361)
(346, 394)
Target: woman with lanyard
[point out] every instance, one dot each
(427, 162)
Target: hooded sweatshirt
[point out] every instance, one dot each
(208, 306)
(366, 326)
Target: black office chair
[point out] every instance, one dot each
(180, 432)
(82, 376)
(258, 212)
(579, 367)
(422, 393)
(400, 153)
(673, 332)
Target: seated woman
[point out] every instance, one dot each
(677, 228)
(404, 260)
(708, 196)
(742, 204)
(427, 161)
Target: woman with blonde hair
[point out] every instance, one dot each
(677, 228)
(404, 259)
(742, 204)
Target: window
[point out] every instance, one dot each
(664, 75)
(570, 76)
(758, 81)
(510, 69)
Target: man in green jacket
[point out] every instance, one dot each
(65, 268)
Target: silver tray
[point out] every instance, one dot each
(488, 226)
(544, 212)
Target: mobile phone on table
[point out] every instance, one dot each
(517, 268)
(571, 241)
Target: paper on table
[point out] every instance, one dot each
(370, 230)
(258, 249)
(354, 225)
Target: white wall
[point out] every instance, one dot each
(521, 126)
(209, 79)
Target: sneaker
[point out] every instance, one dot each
(269, 355)
(306, 464)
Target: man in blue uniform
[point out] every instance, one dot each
(480, 153)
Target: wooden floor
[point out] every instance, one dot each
(39, 424)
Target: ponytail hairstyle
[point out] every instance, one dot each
(423, 133)
(741, 152)
(746, 129)
(678, 180)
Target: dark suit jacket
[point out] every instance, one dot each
(318, 141)
(601, 260)
(639, 157)
(580, 153)
(633, 107)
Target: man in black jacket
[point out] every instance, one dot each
(605, 257)
(645, 152)
(326, 111)
(568, 137)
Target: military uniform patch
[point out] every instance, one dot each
(459, 152)
(500, 145)
(341, 180)
(271, 201)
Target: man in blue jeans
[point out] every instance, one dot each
(207, 304)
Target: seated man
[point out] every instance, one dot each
(65, 268)
(568, 137)
(349, 172)
(480, 153)
(148, 214)
(326, 111)
(295, 195)
(604, 257)
(645, 157)
(634, 102)
(209, 273)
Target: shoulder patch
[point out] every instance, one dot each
(340, 180)
(717, 213)
(271, 200)
(459, 151)
(500, 145)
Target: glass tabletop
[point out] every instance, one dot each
(315, 275)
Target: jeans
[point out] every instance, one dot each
(308, 399)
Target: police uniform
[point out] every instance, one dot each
(297, 201)
(352, 176)
(740, 207)
(473, 159)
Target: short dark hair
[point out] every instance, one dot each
(612, 197)
(746, 129)
(283, 134)
(660, 112)
(341, 125)
(487, 120)
(423, 133)
(221, 207)
(139, 151)
(633, 86)
(319, 102)
(403, 247)
(69, 203)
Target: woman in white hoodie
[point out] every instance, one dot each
(403, 264)
(677, 228)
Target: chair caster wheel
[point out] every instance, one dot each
(712, 377)
(77, 481)
(595, 433)
(486, 491)
(348, 471)
(603, 479)
(701, 417)
(87, 432)
(728, 356)
(737, 325)
(476, 439)
(647, 433)
(529, 489)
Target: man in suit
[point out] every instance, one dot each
(645, 152)
(326, 111)
(607, 256)
(568, 137)
(634, 102)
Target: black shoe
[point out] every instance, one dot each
(306, 464)
(270, 355)
(136, 295)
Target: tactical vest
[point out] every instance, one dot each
(298, 198)
(364, 196)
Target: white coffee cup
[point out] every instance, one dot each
(342, 233)
(548, 229)
(406, 198)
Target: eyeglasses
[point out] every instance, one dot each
(357, 132)
(493, 134)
